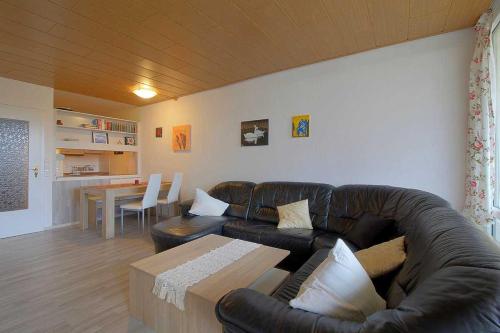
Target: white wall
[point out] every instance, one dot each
(94, 105)
(30, 101)
(394, 115)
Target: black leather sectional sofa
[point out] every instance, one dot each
(450, 281)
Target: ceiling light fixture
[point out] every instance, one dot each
(145, 93)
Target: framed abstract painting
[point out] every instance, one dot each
(181, 138)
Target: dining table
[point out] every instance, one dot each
(109, 193)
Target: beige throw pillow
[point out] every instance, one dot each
(295, 215)
(382, 258)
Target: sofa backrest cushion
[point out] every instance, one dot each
(237, 194)
(350, 202)
(449, 281)
(267, 196)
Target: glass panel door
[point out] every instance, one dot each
(14, 164)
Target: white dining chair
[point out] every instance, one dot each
(173, 193)
(95, 202)
(148, 201)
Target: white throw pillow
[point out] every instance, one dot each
(205, 205)
(295, 215)
(339, 287)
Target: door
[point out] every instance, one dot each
(21, 152)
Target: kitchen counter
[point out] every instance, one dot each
(93, 176)
(66, 195)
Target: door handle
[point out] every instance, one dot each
(35, 171)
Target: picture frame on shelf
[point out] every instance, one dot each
(129, 141)
(100, 137)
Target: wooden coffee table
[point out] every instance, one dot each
(254, 270)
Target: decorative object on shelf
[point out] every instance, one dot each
(119, 142)
(100, 137)
(159, 132)
(59, 122)
(130, 141)
(300, 126)
(97, 123)
(181, 138)
(255, 133)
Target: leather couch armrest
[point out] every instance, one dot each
(246, 310)
(185, 206)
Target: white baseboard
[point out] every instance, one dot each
(57, 226)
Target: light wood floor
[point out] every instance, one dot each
(67, 280)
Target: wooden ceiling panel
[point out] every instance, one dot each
(353, 19)
(103, 16)
(420, 8)
(390, 20)
(12, 13)
(23, 32)
(269, 18)
(178, 47)
(459, 15)
(426, 26)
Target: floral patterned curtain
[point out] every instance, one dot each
(480, 154)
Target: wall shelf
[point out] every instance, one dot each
(101, 157)
(70, 133)
(95, 130)
(94, 146)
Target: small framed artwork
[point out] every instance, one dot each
(100, 137)
(255, 133)
(159, 132)
(300, 126)
(129, 141)
(181, 138)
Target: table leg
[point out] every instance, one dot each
(84, 209)
(108, 215)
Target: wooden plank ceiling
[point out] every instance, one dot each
(106, 48)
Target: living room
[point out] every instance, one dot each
(249, 166)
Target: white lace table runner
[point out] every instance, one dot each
(171, 285)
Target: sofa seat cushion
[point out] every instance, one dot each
(182, 229)
(297, 241)
(328, 240)
(290, 288)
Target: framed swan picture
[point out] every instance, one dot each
(255, 133)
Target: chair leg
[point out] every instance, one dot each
(96, 219)
(138, 221)
(149, 218)
(121, 221)
(143, 221)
